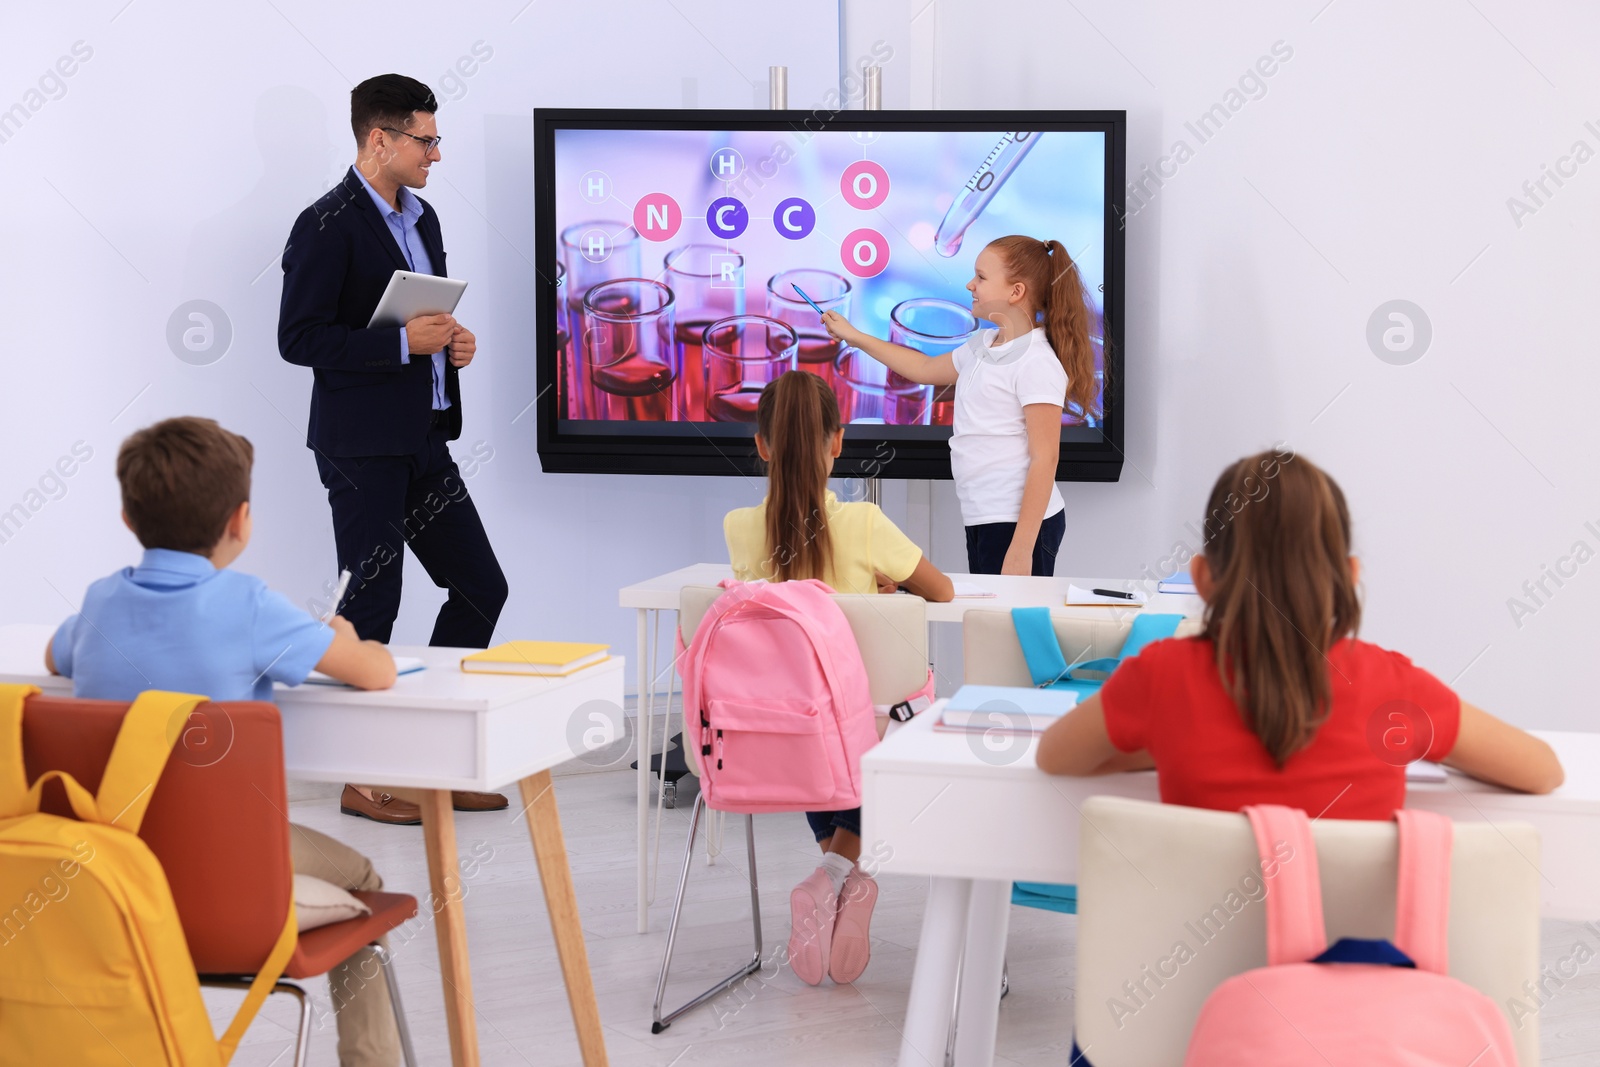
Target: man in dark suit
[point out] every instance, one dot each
(386, 402)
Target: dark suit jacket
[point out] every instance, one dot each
(364, 401)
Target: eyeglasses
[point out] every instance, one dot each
(428, 143)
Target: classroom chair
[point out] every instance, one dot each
(993, 656)
(218, 822)
(1151, 875)
(892, 632)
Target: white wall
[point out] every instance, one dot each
(170, 165)
(1376, 166)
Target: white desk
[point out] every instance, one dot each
(660, 593)
(977, 818)
(437, 730)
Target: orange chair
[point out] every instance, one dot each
(218, 822)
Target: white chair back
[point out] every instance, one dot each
(1154, 877)
(891, 630)
(994, 656)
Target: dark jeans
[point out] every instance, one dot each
(824, 823)
(988, 543)
(383, 504)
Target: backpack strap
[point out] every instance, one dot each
(13, 774)
(1147, 629)
(261, 987)
(1422, 895)
(139, 755)
(82, 801)
(1294, 888)
(149, 730)
(1040, 649)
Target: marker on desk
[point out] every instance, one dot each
(806, 298)
(1113, 593)
(338, 595)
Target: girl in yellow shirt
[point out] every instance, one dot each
(800, 531)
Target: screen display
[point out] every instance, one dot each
(693, 265)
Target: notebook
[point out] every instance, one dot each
(551, 659)
(1423, 771)
(1181, 582)
(402, 665)
(970, 589)
(1005, 709)
(1078, 598)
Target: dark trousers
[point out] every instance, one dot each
(824, 823)
(383, 504)
(988, 543)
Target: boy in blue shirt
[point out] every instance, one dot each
(182, 621)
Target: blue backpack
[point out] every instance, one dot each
(1049, 670)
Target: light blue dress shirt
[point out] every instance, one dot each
(403, 224)
(176, 622)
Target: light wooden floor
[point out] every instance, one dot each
(779, 1021)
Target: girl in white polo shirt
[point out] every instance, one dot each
(1012, 384)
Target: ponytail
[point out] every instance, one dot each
(1277, 543)
(1066, 324)
(1056, 290)
(798, 416)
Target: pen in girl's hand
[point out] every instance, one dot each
(806, 298)
(1113, 593)
(338, 595)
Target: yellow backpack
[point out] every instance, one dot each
(94, 967)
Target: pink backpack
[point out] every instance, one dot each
(775, 699)
(1359, 1001)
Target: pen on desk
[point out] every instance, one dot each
(1113, 593)
(338, 595)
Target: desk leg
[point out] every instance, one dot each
(934, 977)
(642, 727)
(449, 923)
(550, 850)
(988, 916)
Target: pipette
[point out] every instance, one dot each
(980, 189)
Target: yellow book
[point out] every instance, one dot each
(551, 659)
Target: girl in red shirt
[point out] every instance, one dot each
(1277, 702)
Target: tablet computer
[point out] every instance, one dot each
(409, 294)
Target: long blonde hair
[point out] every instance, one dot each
(798, 416)
(1056, 290)
(1277, 537)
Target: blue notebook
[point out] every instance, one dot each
(1014, 709)
(402, 665)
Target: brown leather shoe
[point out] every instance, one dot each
(387, 808)
(465, 801)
